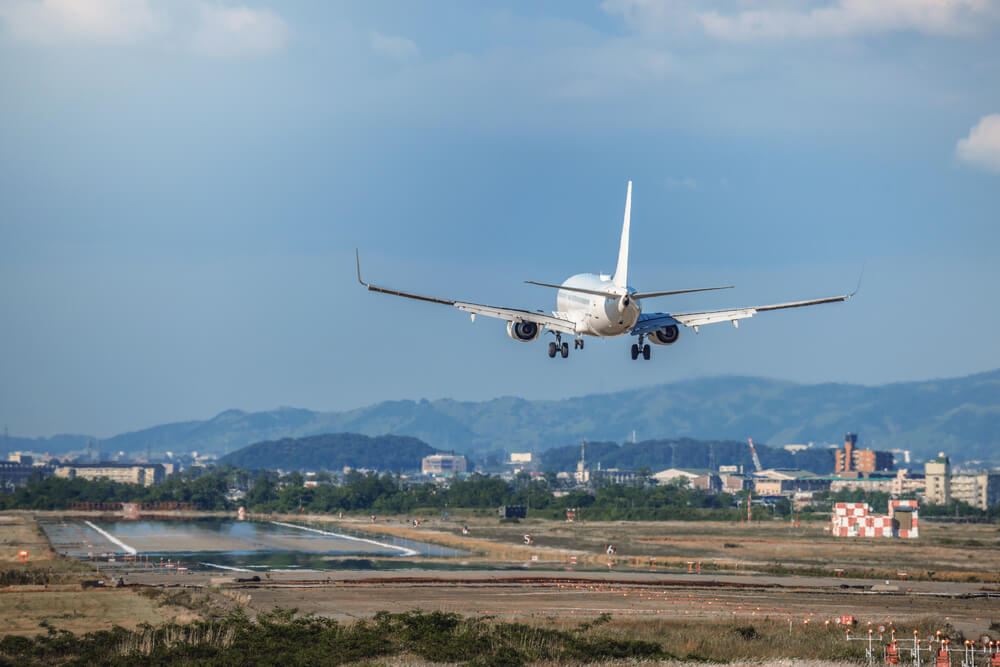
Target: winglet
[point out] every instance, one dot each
(621, 271)
(357, 257)
(858, 287)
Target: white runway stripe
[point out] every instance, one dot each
(404, 550)
(111, 538)
(225, 567)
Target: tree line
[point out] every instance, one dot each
(385, 493)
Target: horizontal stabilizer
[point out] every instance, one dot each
(582, 290)
(650, 295)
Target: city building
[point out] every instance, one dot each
(785, 482)
(14, 474)
(906, 483)
(618, 476)
(21, 457)
(850, 459)
(674, 474)
(443, 464)
(706, 480)
(734, 482)
(146, 474)
(937, 473)
(943, 485)
(871, 483)
(980, 490)
(520, 457)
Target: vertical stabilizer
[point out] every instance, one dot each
(621, 271)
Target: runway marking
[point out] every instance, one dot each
(226, 567)
(404, 550)
(114, 540)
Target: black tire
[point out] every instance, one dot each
(645, 352)
(581, 343)
(552, 350)
(635, 351)
(565, 350)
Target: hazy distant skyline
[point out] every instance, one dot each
(183, 184)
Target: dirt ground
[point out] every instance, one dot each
(548, 595)
(21, 613)
(18, 531)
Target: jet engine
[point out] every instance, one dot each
(667, 335)
(523, 331)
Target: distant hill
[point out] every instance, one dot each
(333, 452)
(959, 415)
(685, 453)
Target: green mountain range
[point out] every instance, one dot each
(333, 452)
(960, 416)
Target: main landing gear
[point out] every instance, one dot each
(561, 348)
(641, 348)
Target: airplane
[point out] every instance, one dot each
(604, 306)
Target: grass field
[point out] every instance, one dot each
(18, 531)
(944, 552)
(82, 611)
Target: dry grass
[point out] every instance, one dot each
(944, 552)
(18, 530)
(82, 611)
(148, 639)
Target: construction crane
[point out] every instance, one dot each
(757, 467)
(756, 459)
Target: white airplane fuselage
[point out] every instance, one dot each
(598, 315)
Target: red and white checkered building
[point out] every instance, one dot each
(856, 520)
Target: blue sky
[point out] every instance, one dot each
(183, 184)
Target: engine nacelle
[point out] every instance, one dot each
(523, 331)
(667, 335)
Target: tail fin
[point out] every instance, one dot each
(621, 271)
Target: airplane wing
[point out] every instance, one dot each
(509, 314)
(650, 322)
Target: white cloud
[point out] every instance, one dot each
(233, 32)
(210, 28)
(395, 48)
(982, 146)
(104, 21)
(776, 20)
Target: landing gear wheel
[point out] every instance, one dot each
(552, 350)
(578, 344)
(565, 350)
(645, 352)
(635, 351)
